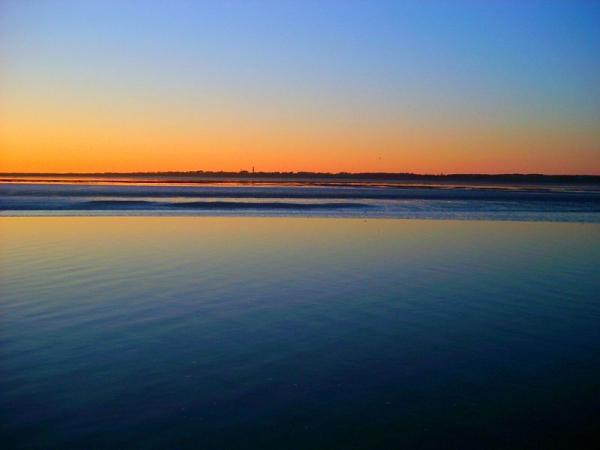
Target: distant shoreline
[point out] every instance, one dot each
(283, 177)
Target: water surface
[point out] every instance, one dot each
(537, 202)
(260, 333)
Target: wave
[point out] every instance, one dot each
(463, 203)
(93, 205)
(266, 205)
(303, 192)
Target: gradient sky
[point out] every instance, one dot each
(412, 86)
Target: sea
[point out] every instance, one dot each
(299, 316)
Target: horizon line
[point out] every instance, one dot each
(247, 173)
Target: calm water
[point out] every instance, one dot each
(278, 333)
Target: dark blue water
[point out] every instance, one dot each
(285, 333)
(537, 202)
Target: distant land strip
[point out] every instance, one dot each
(243, 175)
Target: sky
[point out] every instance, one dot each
(389, 86)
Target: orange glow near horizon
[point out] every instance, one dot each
(83, 132)
(76, 143)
